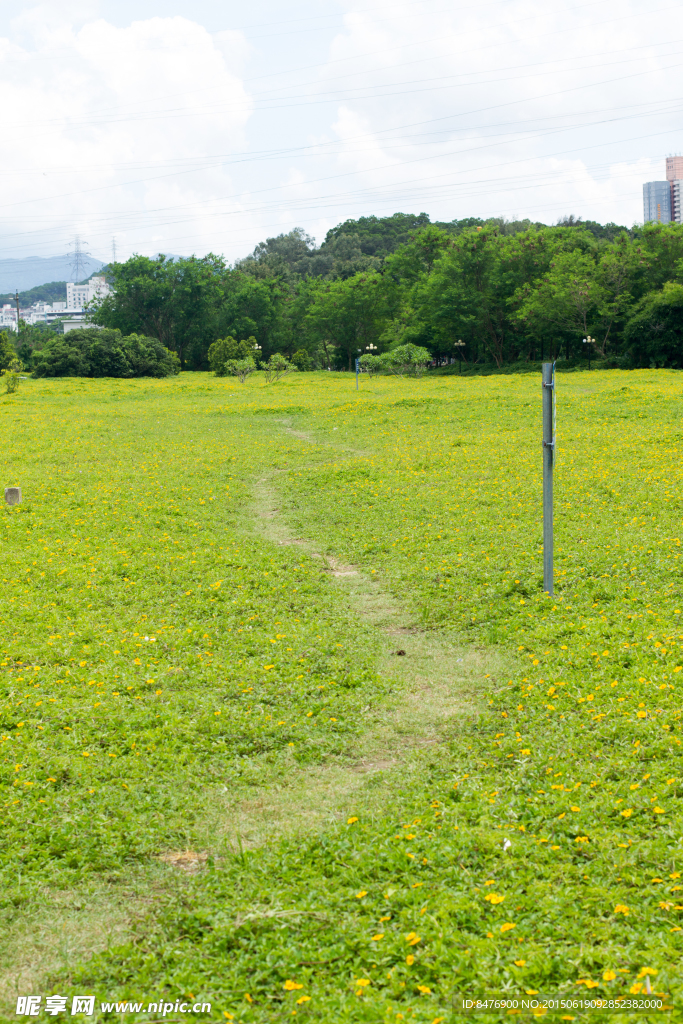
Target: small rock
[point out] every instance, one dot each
(13, 495)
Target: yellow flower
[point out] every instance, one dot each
(622, 909)
(303, 999)
(361, 894)
(376, 938)
(647, 970)
(410, 960)
(506, 927)
(659, 810)
(350, 821)
(248, 997)
(627, 813)
(424, 989)
(526, 751)
(363, 982)
(291, 986)
(520, 963)
(609, 976)
(574, 808)
(412, 938)
(494, 898)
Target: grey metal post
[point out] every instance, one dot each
(548, 459)
(357, 368)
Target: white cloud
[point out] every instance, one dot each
(539, 106)
(95, 129)
(170, 136)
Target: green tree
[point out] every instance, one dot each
(225, 349)
(8, 352)
(302, 360)
(654, 332)
(252, 307)
(567, 300)
(175, 301)
(349, 314)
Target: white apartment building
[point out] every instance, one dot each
(8, 317)
(77, 295)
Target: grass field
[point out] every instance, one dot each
(288, 724)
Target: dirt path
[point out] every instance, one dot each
(438, 690)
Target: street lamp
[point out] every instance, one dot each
(459, 344)
(589, 341)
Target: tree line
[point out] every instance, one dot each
(490, 292)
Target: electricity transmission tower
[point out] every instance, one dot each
(78, 259)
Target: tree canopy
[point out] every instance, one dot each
(493, 292)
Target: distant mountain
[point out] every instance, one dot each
(37, 270)
(54, 291)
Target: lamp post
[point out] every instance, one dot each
(589, 341)
(459, 344)
(257, 348)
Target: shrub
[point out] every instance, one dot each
(10, 375)
(406, 360)
(277, 367)
(94, 352)
(372, 364)
(302, 360)
(411, 360)
(225, 349)
(241, 368)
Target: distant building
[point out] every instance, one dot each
(674, 168)
(659, 207)
(77, 295)
(8, 317)
(78, 320)
(656, 202)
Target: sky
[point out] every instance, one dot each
(208, 126)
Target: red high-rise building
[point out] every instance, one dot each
(674, 175)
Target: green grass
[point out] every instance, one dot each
(138, 522)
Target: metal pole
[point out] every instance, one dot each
(357, 366)
(548, 458)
